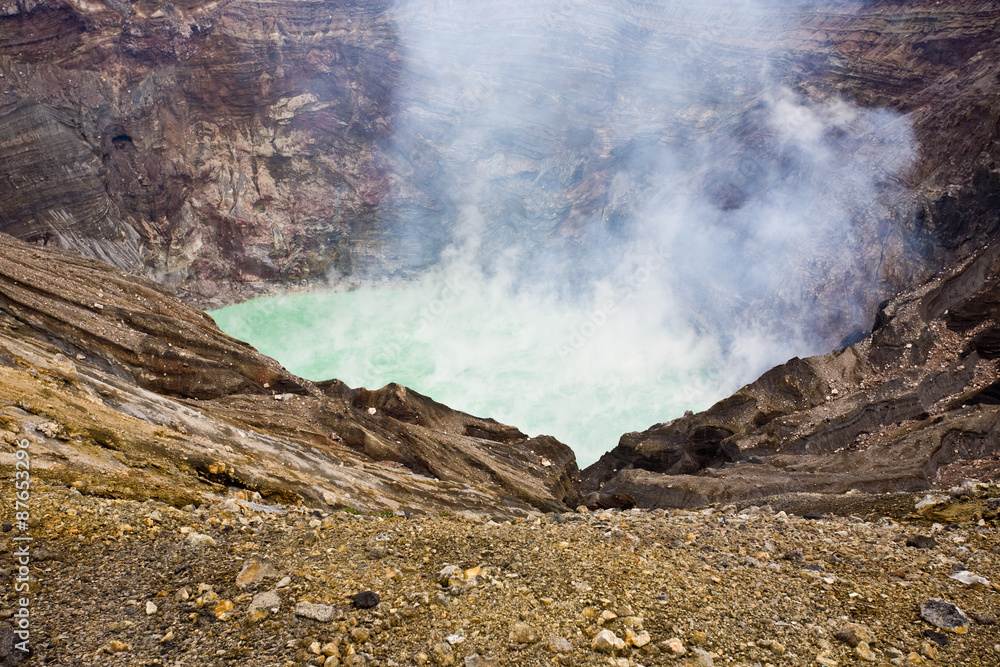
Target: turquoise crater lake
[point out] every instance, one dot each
(584, 373)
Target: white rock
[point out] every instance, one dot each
(969, 578)
(931, 499)
(675, 647)
(317, 612)
(637, 639)
(200, 540)
(607, 642)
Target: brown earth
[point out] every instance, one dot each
(122, 582)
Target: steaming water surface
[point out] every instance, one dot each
(547, 366)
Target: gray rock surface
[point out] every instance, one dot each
(317, 612)
(263, 604)
(943, 614)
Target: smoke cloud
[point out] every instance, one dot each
(648, 163)
(611, 211)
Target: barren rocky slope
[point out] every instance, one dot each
(121, 387)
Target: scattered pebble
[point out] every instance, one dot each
(674, 647)
(864, 651)
(937, 637)
(254, 571)
(263, 605)
(559, 645)
(366, 599)
(921, 541)
(224, 610)
(701, 658)
(607, 642)
(200, 540)
(854, 634)
(522, 633)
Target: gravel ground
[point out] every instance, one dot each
(119, 582)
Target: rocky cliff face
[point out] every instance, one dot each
(940, 64)
(910, 406)
(123, 388)
(226, 149)
(211, 146)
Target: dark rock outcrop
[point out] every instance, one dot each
(118, 383)
(911, 407)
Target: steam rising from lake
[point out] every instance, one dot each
(603, 213)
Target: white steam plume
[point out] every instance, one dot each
(638, 184)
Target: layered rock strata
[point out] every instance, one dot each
(231, 149)
(123, 388)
